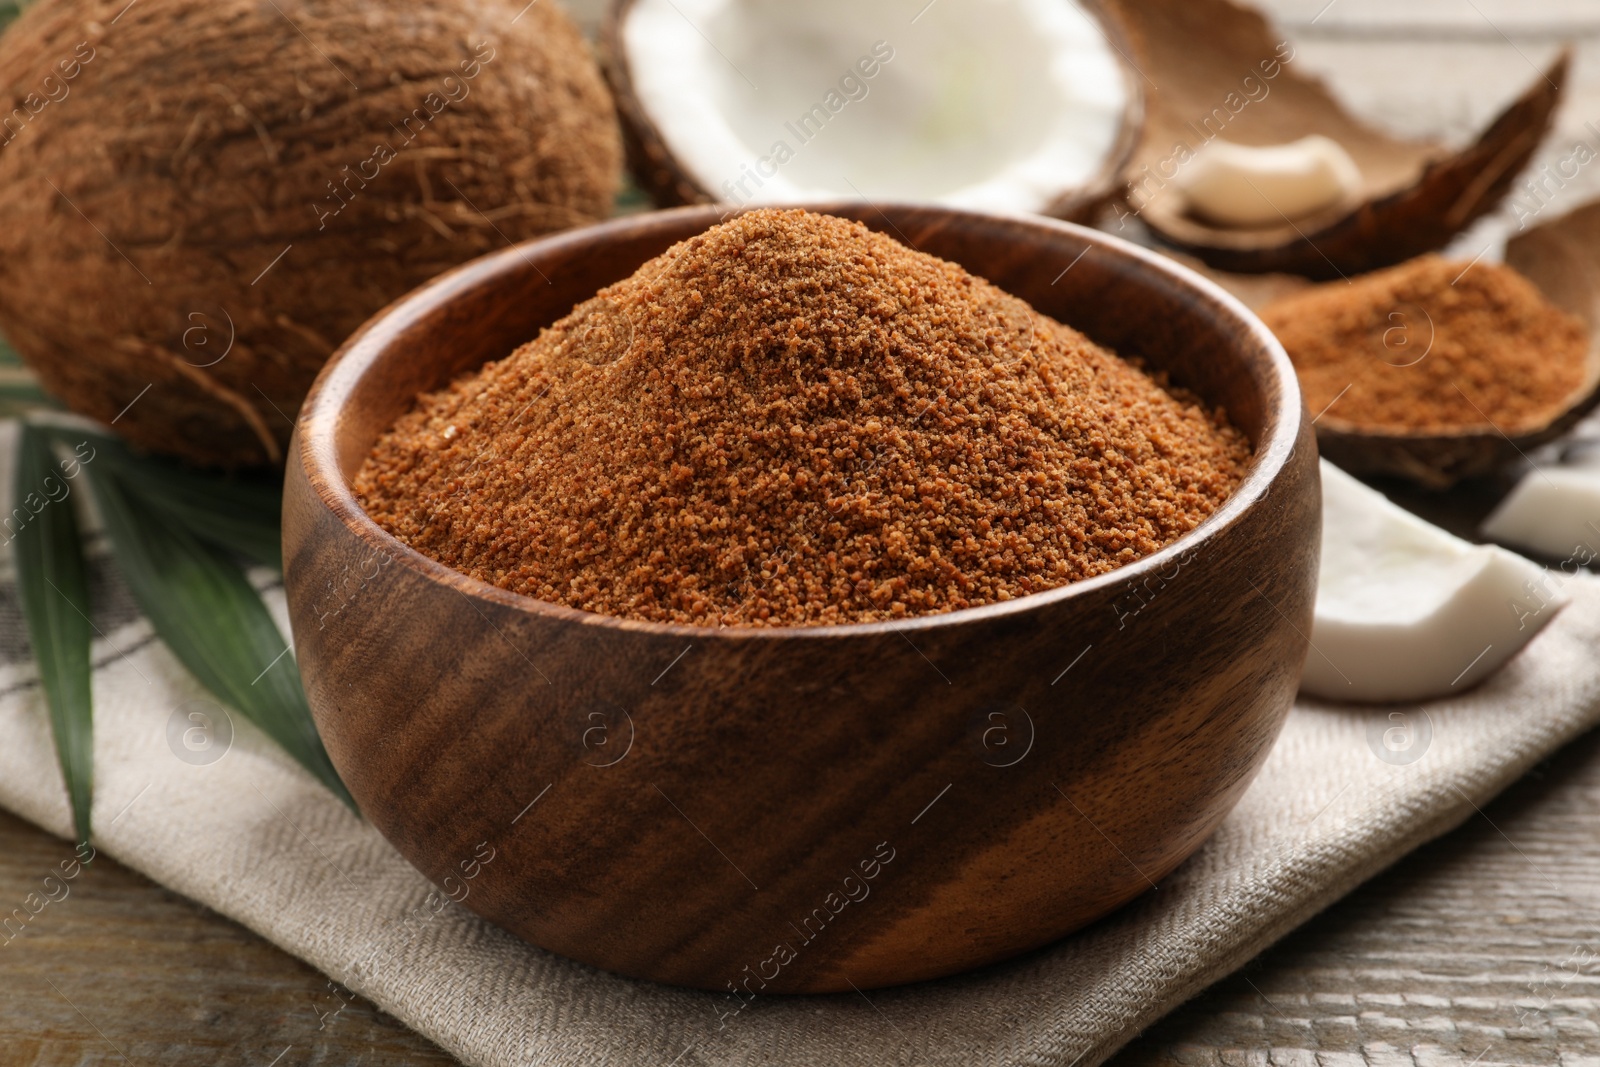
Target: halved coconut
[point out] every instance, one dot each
(1218, 71)
(203, 198)
(1010, 105)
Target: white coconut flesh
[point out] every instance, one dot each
(1406, 611)
(1554, 511)
(991, 104)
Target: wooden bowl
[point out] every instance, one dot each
(805, 809)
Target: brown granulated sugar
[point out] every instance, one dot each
(1432, 345)
(792, 420)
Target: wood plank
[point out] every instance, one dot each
(122, 969)
(1489, 19)
(1484, 944)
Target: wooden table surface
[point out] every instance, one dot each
(1482, 948)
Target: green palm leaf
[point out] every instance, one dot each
(21, 397)
(10, 9)
(19, 393)
(240, 513)
(211, 618)
(54, 590)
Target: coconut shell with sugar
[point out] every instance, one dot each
(1561, 257)
(204, 197)
(1219, 70)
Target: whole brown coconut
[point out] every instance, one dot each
(202, 198)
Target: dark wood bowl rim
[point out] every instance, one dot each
(318, 423)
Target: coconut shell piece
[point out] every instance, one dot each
(669, 183)
(652, 164)
(1438, 460)
(1218, 69)
(204, 197)
(1561, 258)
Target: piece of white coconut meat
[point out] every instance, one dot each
(1406, 611)
(1554, 511)
(990, 104)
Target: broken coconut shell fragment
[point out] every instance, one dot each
(224, 189)
(1218, 70)
(1410, 375)
(1015, 105)
(1562, 261)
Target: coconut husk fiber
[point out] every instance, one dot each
(204, 197)
(1217, 69)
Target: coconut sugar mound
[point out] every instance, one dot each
(792, 420)
(1432, 345)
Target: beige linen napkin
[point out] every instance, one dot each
(237, 826)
